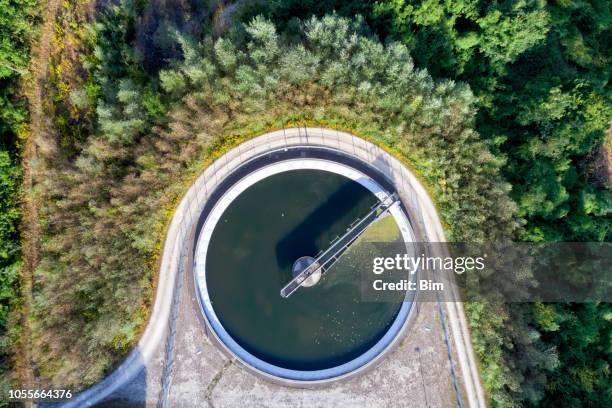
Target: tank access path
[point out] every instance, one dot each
(326, 259)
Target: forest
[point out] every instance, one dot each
(18, 21)
(501, 108)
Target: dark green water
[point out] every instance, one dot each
(251, 253)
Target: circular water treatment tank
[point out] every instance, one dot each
(272, 221)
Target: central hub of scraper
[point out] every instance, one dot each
(301, 264)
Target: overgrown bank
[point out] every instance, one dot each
(18, 21)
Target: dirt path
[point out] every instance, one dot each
(34, 91)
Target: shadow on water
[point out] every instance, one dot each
(302, 240)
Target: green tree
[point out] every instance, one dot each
(17, 18)
(17, 21)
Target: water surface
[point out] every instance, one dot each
(252, 249)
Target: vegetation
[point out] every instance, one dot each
(9, 248)
(540, 72)
(17, 20)
(16, 28)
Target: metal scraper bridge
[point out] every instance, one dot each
(326, 259)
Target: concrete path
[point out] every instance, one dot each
(176, 364)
